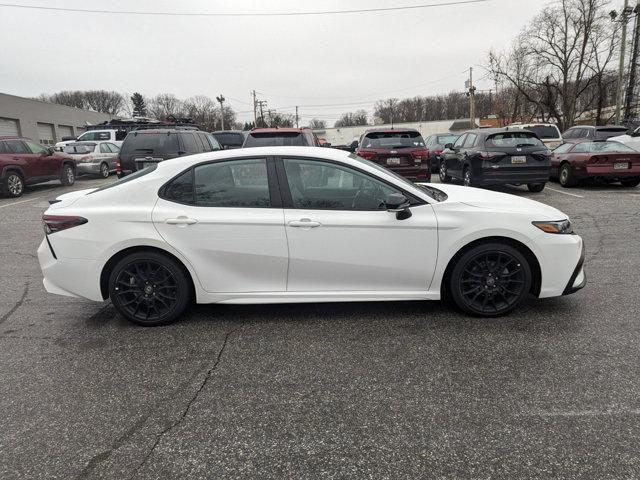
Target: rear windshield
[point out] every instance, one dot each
(604, 133)
(150, 143)
(275, 139)
(544, 131)
(513, 139)
(235, 139)
(80, 148)
(444, 139)
(128, 178)
(392, 140)
(597, 147)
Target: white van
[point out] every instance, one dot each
(547, 132)
(113, 136)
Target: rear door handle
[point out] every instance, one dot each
(184, 221)
(304, 223)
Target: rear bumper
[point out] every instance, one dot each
(417, 173)
(606, 172)
(578, 278)
(504, 177)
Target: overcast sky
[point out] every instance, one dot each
(316, 62)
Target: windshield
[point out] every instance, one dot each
(544, 131)
(597, 147)
(389, 140)
(513, 139)
(274, 139)
(79, 148)
(444, 139)
(235, 139)
(156, 143)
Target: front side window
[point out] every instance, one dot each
(470, 141)
(444, 139)
(460, 141)
(564, 148)
(35, 148)
(318, 185)
(238, 183)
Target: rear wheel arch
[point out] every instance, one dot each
(532, 260)
(111, 263)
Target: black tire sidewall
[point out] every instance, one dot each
(453, 287)
(569, 179)
(178, 272)
(536, 187)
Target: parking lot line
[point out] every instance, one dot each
(565, 193)
(21, 201)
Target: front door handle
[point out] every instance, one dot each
(304, 223)
(181, 220)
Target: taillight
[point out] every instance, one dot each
(118, 166)
(55, 223)
(420, 155)
(491, 154)
(366, 155)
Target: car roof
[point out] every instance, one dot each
(161, 131)
(390, 130)
(228, 131)
(279, 130)
(13, 137)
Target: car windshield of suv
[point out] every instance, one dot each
(513, 139)
(150, 143)
(234, 139)
(79, 148)
(444, 139)
(274, 139)
(599, 147)
(389, 140)
(544, 131)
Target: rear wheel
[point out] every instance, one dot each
(536, 187)
(490, 280)
(104, 170)
(67, 176)
(149, 288)
(442, 172)
(13, 184)
(467, 177)
(566, 177)
(630, 182)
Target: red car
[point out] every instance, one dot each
(401, 150)
(603, 160)
(25, 162)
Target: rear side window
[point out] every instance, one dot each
(275, 139)
(190, 145)
(206, 147)
(240, 183)
(214, 143)
(4, 148)
(151, 143)
(79, 148)
(17, 146)
(181, 188)
(513, 139)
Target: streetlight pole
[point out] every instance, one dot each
(631, 87)
(221, 100)
(623, 46)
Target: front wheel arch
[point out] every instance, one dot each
(111, 263)
(532, 260)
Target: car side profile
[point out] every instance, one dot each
(94, 158)
(25, 162)
(602, 160)
(497, 156)
(300, 224)
(435, 146)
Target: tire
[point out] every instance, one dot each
(630, 182)
(149, 288)
(566, 177)
(67, 176)
(489, 280)
(104, 170)
(467, 177)
(442, 172)
(13, 185)
(536, 187)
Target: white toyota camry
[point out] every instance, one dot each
(300, 224)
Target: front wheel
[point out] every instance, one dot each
(68, 176)
(149, 288)
(442, 172)
(467, 178)
(489, 280)
(536, 187)
(630, 182)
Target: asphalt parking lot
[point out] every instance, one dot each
(367, 390)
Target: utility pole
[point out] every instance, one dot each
(471, 93)
(297, 112)
(255, 114)
(629, 105)
(261, 104)
(623, 46)
(221, 99)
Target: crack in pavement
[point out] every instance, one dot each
(185, 412)
(17, 305)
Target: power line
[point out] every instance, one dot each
(240, 14)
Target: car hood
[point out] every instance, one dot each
(504, 202)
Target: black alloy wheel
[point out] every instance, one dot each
(149, 288)
(490, 280)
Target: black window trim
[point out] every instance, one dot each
(272, 182)
(287, 199)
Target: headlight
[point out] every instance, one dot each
(561, 226)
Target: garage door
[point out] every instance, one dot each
(45, 134)
(8, 126)
(65, 131)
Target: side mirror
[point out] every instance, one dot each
(50, 151)
(398, 203)
(449, 146)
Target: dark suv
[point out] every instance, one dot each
(25, 162)
(594, 133)
(399, 149)
(229, 139)
(497, 156)
(278, 137)
(143, 147)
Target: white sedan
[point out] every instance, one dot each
(94, 158)
(300, 224)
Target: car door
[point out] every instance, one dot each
(41, 163)
(113, 157)
(225, 217)
(341, 237)
(453, 157)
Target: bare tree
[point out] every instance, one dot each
(350, 119)
(104, 101)
(317, 124)
(165, 104)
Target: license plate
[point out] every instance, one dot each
(519, 159)
(393, 161)
(620, 165)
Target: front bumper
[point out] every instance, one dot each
(578, 278)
